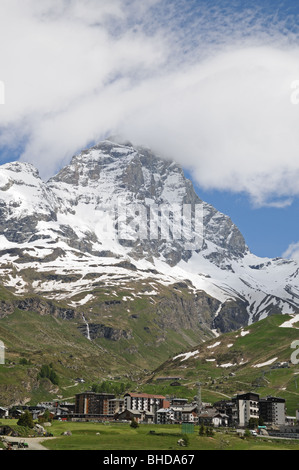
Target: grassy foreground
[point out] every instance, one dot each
(99, 436)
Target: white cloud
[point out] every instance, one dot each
(208, 86)
(231, 120)
(292, 252)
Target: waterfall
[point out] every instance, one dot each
(87, 327)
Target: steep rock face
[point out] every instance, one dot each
(71, 205)
(36, 305)
(24, 202)
(107, 332)
(179, 313)
(118, 215)
(233, 316)
(110, 175)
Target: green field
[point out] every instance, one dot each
(112, 436)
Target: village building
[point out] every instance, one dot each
(212, 417)
(148, 408)
(178, 401)
(272, 410)
(165, 416)
(177, 414)
(116, 406)
(189, 414)
(94, 405)
(291, 421)
(247, 407)
(144, 402)
(228, 408)
(140, 416)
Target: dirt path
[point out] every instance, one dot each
(34, 443)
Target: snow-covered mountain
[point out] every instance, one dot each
(118, 215)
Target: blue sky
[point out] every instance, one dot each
(267, 231)
(208, 83)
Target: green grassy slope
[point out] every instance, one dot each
(140, 340)
(241, 352)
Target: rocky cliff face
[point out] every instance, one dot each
(119, 215)
(111, 176)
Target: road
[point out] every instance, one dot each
(34, 443)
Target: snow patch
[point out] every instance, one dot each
(186, 355)
(244, 333)
(83, 301)
(228, 364)
(214, 345)
(290, 323)
(268, 363)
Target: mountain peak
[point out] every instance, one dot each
(22, 168)
(73, 224)
(118, 139)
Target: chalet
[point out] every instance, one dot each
(228, 408)
(177, 413)
(212, 417)
(140, 416)
(165, 416)
(36, 413)
(189, 414)
(178, 401)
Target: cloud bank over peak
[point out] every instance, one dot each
(206, 83)
(292, 252)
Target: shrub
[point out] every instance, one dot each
(186, 439)
(26, 420)
(47, 371)
(201, 431)
(134, 423)
(210, 432)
